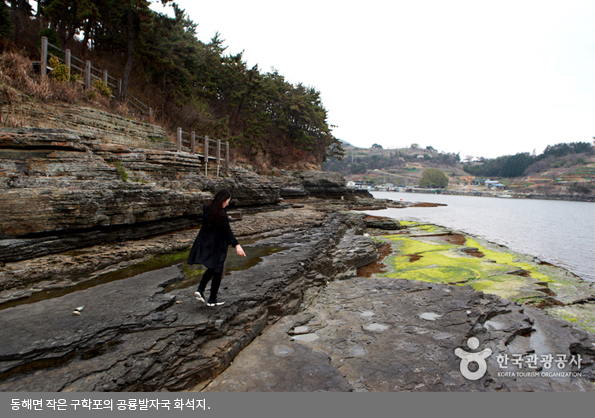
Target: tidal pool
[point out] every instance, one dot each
(191, 273)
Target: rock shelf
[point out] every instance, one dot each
(321, 311)
(132, 336)
(385, 332)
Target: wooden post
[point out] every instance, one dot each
(179, 139)
(218, 156)
(67, 62)
(192, 142)
(206, 156)
(88, 75)
(119, 88)
(44, 56)
(151, 113)
(105, 76)
(227, 157)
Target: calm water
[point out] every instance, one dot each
(559, 232)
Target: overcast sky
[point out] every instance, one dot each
(474, 77)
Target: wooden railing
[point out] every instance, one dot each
(89, 73)
(211, 148)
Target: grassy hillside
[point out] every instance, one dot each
(403, 166)
(546, 174)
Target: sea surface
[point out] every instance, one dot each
(559, 232)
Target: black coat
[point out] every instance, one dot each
(210, 246)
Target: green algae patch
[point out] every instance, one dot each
(429, 228)
(450, 275)
(417, 228)
(579, 314)
(415, 246)
(509, 259)
(192, 271)
(500, 272)
(408, 223)
(498, 257)
(428, 261)
(508, 286)
(192, 276)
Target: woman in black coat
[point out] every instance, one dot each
(210, 246)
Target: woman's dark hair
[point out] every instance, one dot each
(216, 206)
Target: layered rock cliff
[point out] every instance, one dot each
(119, 198)
(63, 189)
(79, 211)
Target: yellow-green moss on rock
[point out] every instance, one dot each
(493, 270)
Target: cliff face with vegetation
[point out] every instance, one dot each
(63, 189)
(269, 121)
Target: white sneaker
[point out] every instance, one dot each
(200, 296)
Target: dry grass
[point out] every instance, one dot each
(17, 78)
(16, 71)
(11, 116)
(66, 92)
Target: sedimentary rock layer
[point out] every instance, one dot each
(136, 334)
(63, 190)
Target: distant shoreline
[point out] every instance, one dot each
(535, 196)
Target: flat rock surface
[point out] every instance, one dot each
(379, 334)
(68, 269)
(299, 319)
(148, 333)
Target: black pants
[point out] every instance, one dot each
(210, 274)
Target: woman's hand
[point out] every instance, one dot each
(240, 251)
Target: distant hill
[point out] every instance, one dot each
(562, 169)
(402, 166)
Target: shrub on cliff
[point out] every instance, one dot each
(61, 72)
(432, 177)
(16, 71)
(581, 188)
(120, 170)
(102, 88)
